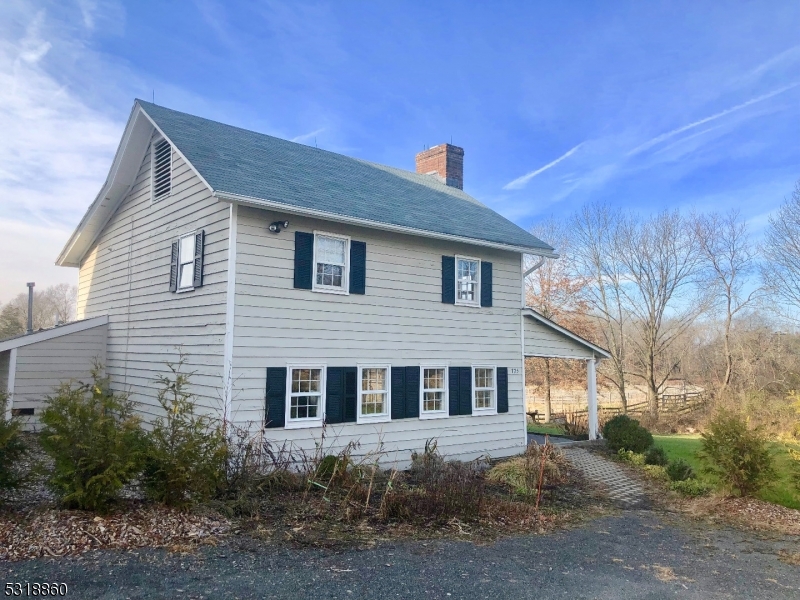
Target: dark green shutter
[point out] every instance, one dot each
(454, 374)
(449, 279)
(398, 392)
(303, 257)
(334, 395)
(502, 389)
(358, 267)
(486, 283)
(276, 397)
(465, 391)
(199, 248)
(350, 394)
(341, 395)
(412, 393)
(173, 268)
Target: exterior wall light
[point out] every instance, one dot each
(278, 225)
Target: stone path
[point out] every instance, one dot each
(619, 486)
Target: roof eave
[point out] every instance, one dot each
(310, 212)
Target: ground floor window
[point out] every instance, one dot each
(434, 391)
(305, 394)
(373, 393)
(484, 388)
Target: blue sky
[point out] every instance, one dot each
(644, 104)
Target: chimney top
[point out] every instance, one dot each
(445, 161)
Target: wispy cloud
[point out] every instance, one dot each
(521, 182)
(308, 136)
(670, 134)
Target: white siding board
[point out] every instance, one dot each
(126, 276)
(400, 320)
(5, 360)
(540, 339)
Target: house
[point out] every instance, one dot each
(306, 287)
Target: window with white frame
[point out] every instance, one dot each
(305, 396)
(373, 393)
(484, 388)
(186, 254)
(331, 264)
(161, 167)
(467, 273)
(434, 391)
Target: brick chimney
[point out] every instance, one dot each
(446, 162)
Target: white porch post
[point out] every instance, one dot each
(591, 375)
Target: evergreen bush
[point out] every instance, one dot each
(680, 470)
(12, 450)
(656, 456)
(737, 455)
(95, 441)
(624, 433)
(186, 452)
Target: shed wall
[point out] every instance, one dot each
(541, 340)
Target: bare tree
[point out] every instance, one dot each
(660, 263)
(730, 260)
(554, 290)
(52, 305)
(595, 231)
(780, 271)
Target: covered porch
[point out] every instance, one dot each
(542, 338)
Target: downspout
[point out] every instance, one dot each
(522, 339)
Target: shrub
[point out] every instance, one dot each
(622, 432)
(656, 472)
(576, 425)
(95, 441)
(12, 450)
(539, 466)
(656, 455)
(630, 456)
(443, 489)
(680, 470)
(690, 487)
(737, 455)
(186, 452)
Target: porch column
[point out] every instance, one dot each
(12, 372)
(591, 375)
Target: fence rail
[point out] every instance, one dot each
(682, 404)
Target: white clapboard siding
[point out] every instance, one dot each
(401, 321)
(125, 275)
(541, 340)
(5, 358)
(42, 366)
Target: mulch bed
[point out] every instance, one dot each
(45, 531)
(750, 513)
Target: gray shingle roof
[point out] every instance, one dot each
(245, 163)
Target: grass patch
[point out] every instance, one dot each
(545, 429)
(781, 492)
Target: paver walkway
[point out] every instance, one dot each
(619, 486)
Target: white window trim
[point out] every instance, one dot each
(189, 288)
(434, 414)
(326, 289)
(477, 301)
(290, 423)
(387, 415)
(153, 142)
(484, 411)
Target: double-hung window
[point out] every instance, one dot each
(433, 400)
(373, 393)
(331, 262)
(186, 255)
(305, 397)
(484, 389)
(467, 281)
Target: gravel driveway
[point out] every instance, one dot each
(637, 554)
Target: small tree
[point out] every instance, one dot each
(12, 450)
(95, 441)
(737, 455)
(187, 452)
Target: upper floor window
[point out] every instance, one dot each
(161, 169)
(186, 255)
(484, 389)
(331, 264)
(467, 270)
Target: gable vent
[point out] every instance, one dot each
(162, 169)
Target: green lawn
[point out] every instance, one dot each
(545, 429)
(781, 492)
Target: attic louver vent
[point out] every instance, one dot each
(162, 169)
